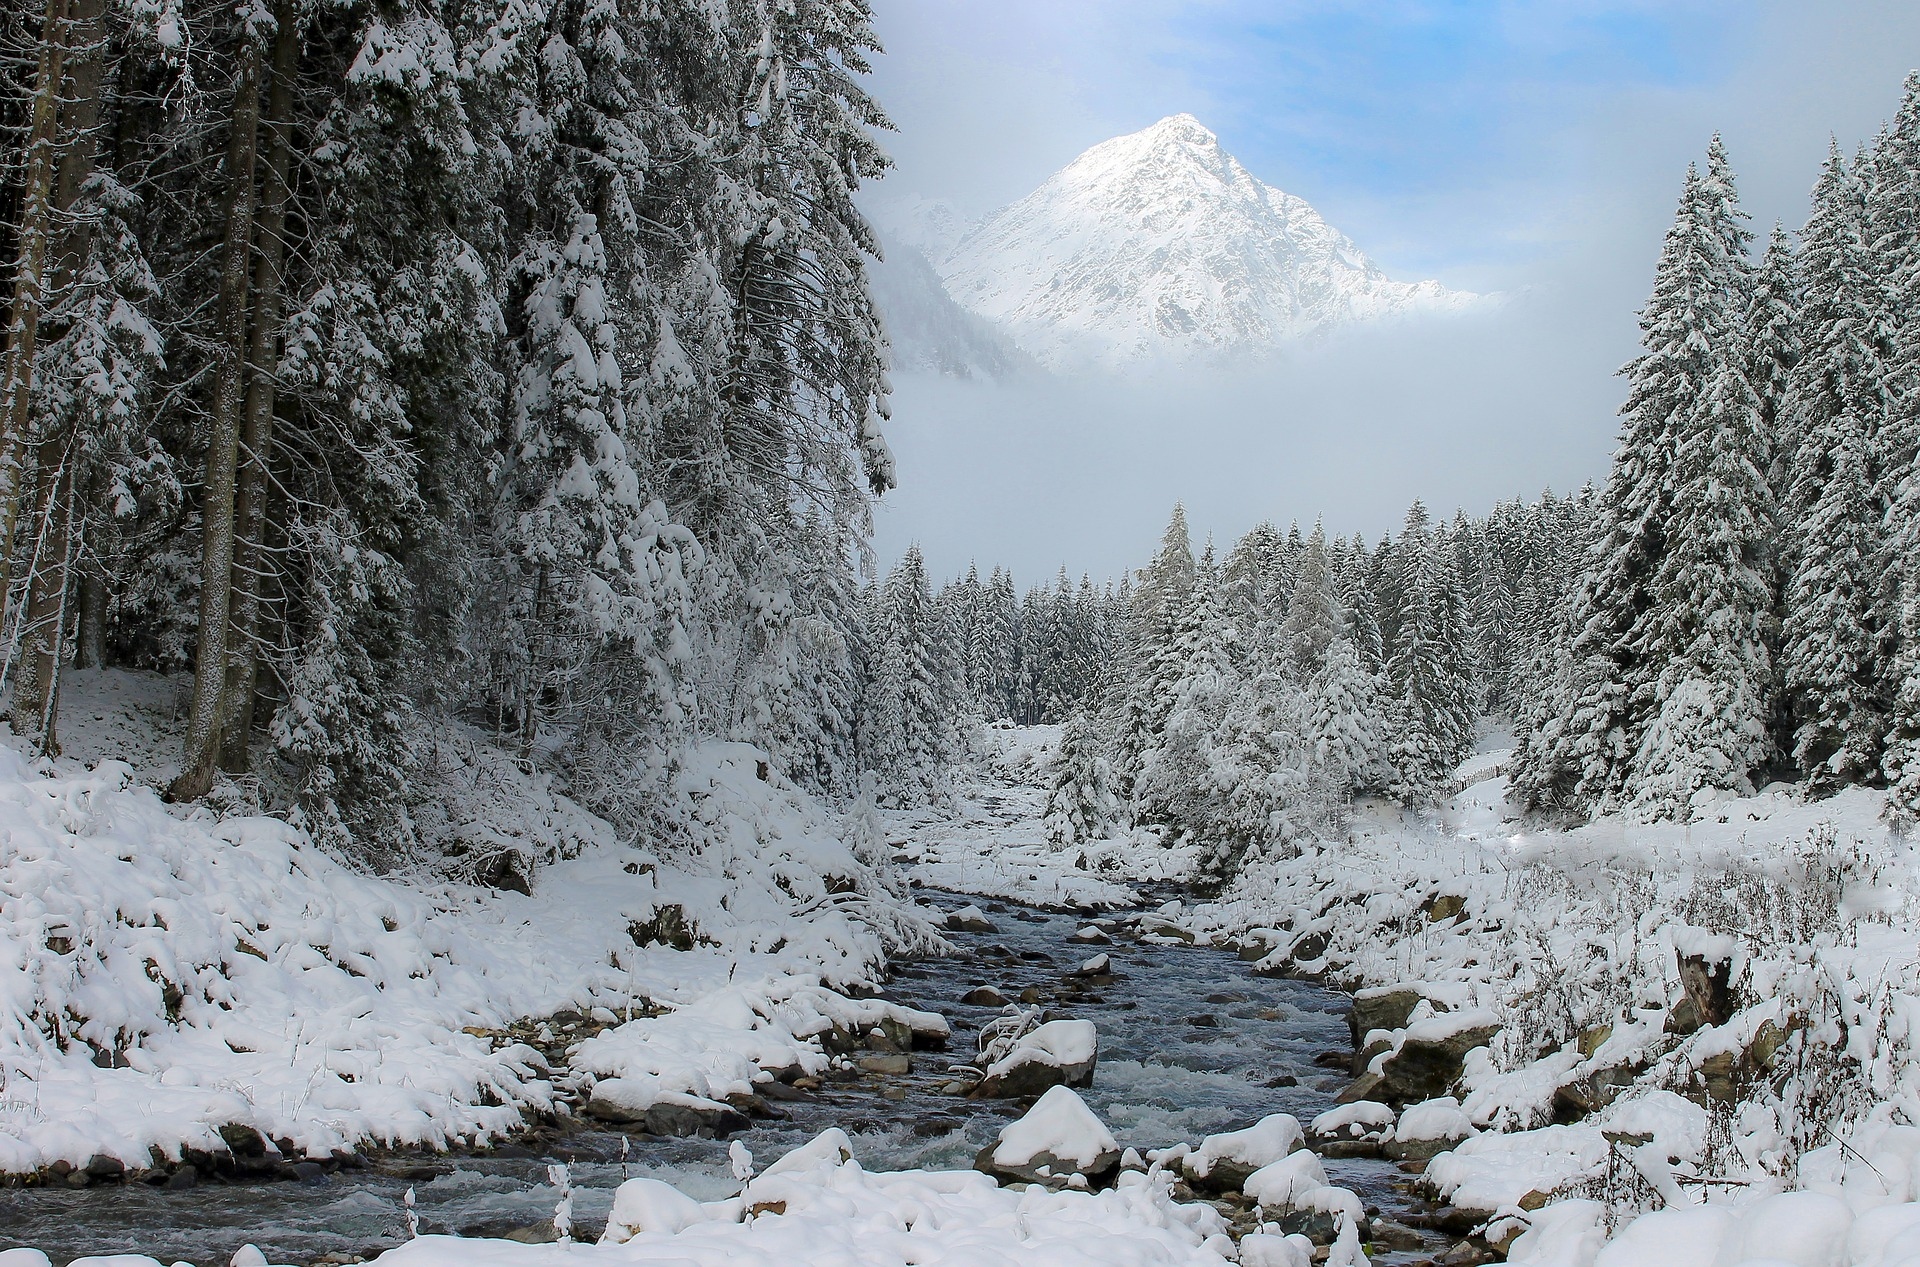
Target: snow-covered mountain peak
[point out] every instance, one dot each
(1160, 244)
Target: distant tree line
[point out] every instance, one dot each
(1242, 702)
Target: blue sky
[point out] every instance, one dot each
(1533, 148)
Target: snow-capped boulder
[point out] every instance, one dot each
(1058, 1053)
(1276, 1185)
(1385, 1007)
(1057, 1140)
(1224, 1162)
(648, 1205)
(1351, 1130)
(1427, 1059)
(830, 1148)
(1100, 965)
(640, 1102)
(969, 919)
(1293, 1193)
(1263, 1249)
(1090, 935)
(1427, 1128)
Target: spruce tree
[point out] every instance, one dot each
(1081, 805)
(1836, 408)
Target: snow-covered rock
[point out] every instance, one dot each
(1225, 1162)
(1277, 1185)
(1058, 1053)
(1057, 1139)
(1160, 244)
(648, 1205)
(969, 919)
(1427, 1128)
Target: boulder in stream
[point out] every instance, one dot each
(1426, 1129)
(1058, 1053)
(1057, 1142)
(969, 919)
(1224, 1162)
(632, 1102)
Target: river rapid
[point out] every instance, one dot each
(1191, 1043)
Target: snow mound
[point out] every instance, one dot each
(1059, 1124)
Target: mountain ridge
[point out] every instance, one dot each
(1160, 245)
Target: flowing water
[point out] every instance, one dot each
(1191, 1043)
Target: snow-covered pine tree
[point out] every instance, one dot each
(1183, 784)
(1622, 650)
(1081, 805)
(907, 722)
(1432, 707)
(1344, 724)
(1313, 616)
(1893, 224)
(1157, 660)
(1714, 589)
(1836, 409)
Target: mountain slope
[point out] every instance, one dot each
(927, 330)
(1160, 244)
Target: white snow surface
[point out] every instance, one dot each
(1571, 941)
(1059, 1123)
(164, 975)
(1159, 245)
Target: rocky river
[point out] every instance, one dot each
(1192, 1042)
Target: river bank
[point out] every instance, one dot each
(1192, 1043)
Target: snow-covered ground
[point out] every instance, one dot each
(989, 841)
(164, 976)
(1597, 1098)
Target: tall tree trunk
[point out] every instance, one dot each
(36, 692)
(36, 699)
(223, 440)
(29, 284)
(90, 646)
(256, 440)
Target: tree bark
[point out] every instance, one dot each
(29, 286)
(90, 646)
(36, 698)
(223, 440)
(256, 440)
